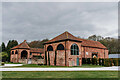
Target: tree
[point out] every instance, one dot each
(4, 56)
(111, 44)
(3, 47)
(0, 49)
(95, 38)
(37, 44)
(10, 45)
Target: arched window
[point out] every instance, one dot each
(16, 52)
(24, 54)
(12, 52)
(74, 49)
(49, 48)
(60, 47)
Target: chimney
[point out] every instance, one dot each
(24, 40)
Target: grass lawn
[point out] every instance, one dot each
(60, 74)
(43, 66)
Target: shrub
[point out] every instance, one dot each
(88, 61)
(111, 62)
(2, 63)
(119, 62)
(94, 61)
(83, 60)
(115, 61)
(102, 62)
(107, 63)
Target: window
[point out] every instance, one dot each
(74, 49)
(60, 47)
(16, 52)
(12, 52)
(86, 53)
(49, 48)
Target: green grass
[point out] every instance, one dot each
(44, 66)
(61, 74)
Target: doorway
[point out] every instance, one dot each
(77, 61)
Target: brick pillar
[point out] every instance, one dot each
(28, 55)
(18, 56)
(10, 56)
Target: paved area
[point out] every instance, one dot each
(10, 65)
(62, 69)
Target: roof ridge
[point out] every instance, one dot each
(18, 46)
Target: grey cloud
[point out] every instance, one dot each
(36, 21)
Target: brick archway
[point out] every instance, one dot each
(49, 48)
(24, 54)
(16, 52)
(60, 47)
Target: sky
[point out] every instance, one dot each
(40, 20)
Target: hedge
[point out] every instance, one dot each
(88, 61)
(84, 61)
(94, 61)
(115, 62)
(107, 63)
(103, 62)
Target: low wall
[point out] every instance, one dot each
(32, 61)
(37, 61)
(24, 61)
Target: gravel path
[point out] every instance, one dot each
(62, 69)
(10, 65)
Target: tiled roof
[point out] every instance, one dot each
(114, 55)
(23, 45)
(63, 36)
(38, 50)
(91, 43)
(67, 35)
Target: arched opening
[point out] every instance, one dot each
(12, 52)
(60, 47)
(24, 54)
(74, 49)
(49, 48)
(16, 52)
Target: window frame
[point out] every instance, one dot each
(60, 47)
(74, 49)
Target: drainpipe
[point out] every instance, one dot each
(84, 52)
(45, 56)
(65, 53)
(104, 53)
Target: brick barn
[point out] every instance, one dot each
(63, 50)
(68, 50)
(22, 53)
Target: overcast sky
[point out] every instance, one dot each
(37, 20)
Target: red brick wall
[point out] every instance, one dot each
(90, 50)
(61, 54)
(73, 57)
(15, 57)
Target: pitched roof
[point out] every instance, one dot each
(38, 50)
(22, 45)
(63, 36)
(67, 35)
(91, 43)
(114, 55)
